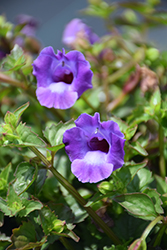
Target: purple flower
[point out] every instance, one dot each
(76, 30)
(95, 148)
(30, 22)
(61, 78)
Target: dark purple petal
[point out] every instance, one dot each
(61, 78)
(97, 143)
(116, 153)
(76, 143)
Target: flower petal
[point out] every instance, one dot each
(83, 74)
(116, 153)
(92, 168)
(88, 123)
(71, 30)
(57, 95)
(76, 143)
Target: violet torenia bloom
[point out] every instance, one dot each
(76, 30)
(30, 22)
(95, 148)
(61, 78)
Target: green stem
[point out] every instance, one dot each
(150, 227)
(11, 81)
(159, 236)
(66, 243)
(78, 197)
(162, 164)
(115, 103)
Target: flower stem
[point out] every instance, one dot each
(162, 164)
(11, 81)
(78, 197)
(150, 227)
(115, 103)
(66, 243)
(159, 236)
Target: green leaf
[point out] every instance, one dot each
(1, 219)
(50, 222)
(155, 102)
(128, 131)
(155, 197)
(13, 118)
(15, 60)
(63, 212)
(27, 137)
(13, 203)
(36, 186)
(25, 176)
(29, 206)
(18, 112)
(56, 148)
(54, 134)
(158, 17)
(140, 180)
(4, 241)
(25, 238)
(80, 213)
(133, 229)
(117, 247)
(5, 27)
(119, 182)
(143, 8)
(128, 172)
(161, 189)
(10, 119)
(4, 207)
(138, 148)
(5, 172)
(4, 175)
(138, 116)
(102, 10)
(138, 204)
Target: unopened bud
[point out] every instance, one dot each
(130, 16)
(107, 55)
(152, 54)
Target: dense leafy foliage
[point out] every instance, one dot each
(42, 204)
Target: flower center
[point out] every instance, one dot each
(96, 144)
(63, 74)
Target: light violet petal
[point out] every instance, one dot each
(57, 96)
(92, 168)
(77, 29)
(71, 29)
